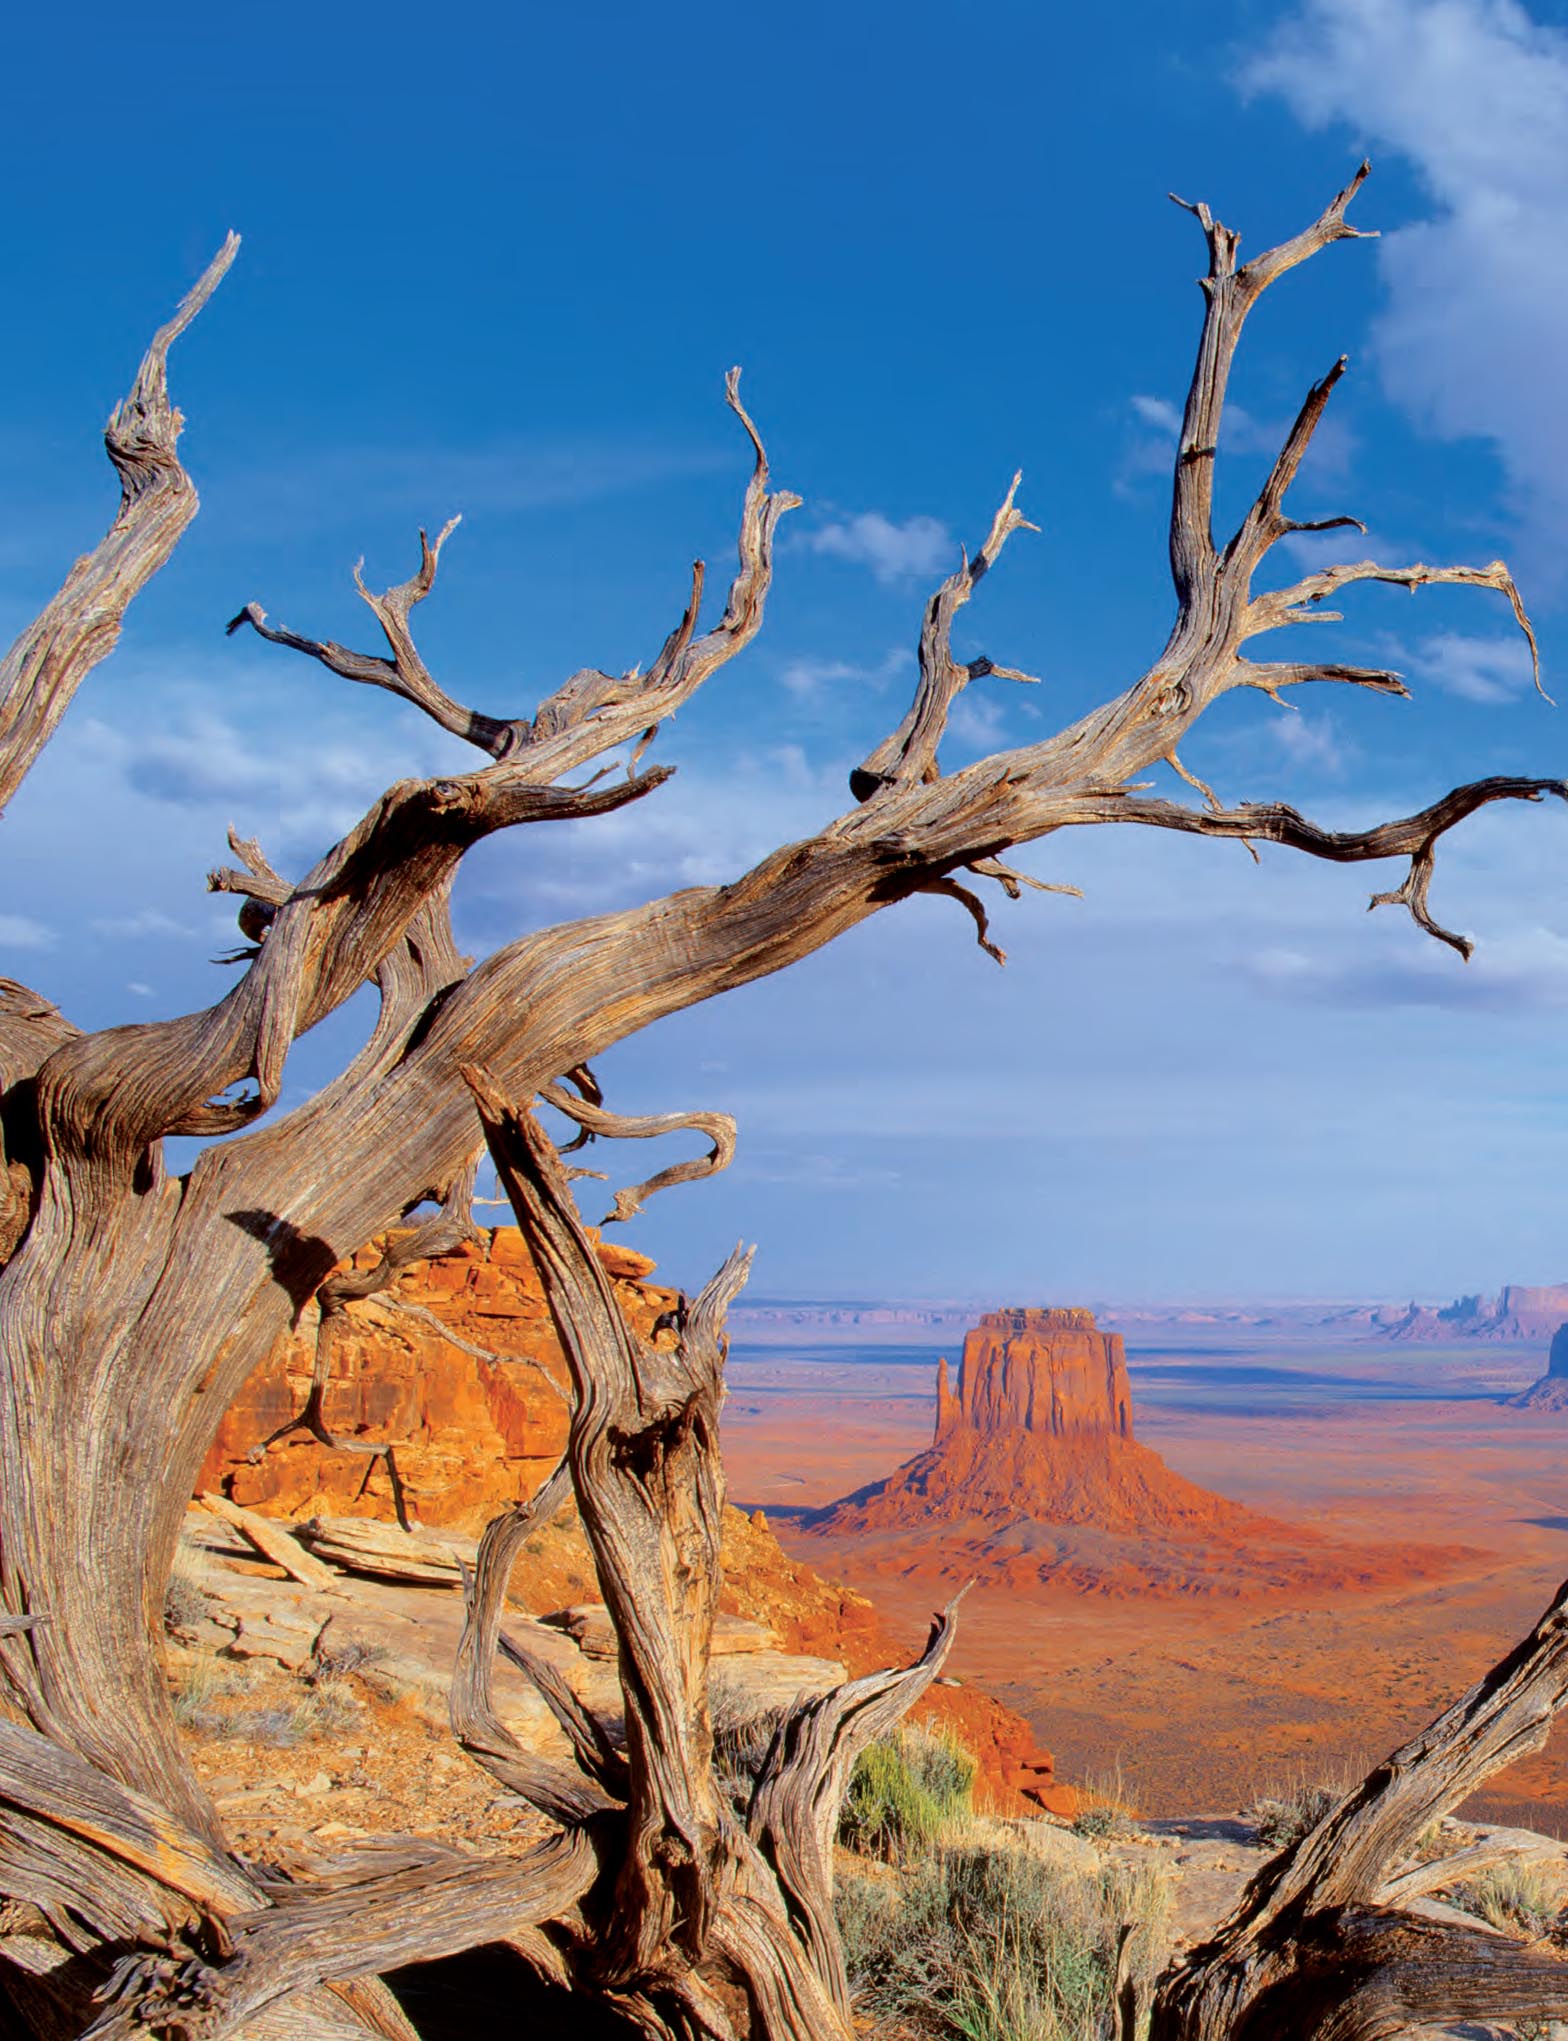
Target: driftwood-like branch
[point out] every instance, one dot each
(405, 673)
(364, 1920)
(1230, 294)
(81, 626)
(596, 1123)
(592, 712)
(1413, 836)
(1297, 604)
(693, 1888)
(562, 1792)
(645, 1470)
(910, 754)
(794, 1812)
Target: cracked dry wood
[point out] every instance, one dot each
(133, 1304)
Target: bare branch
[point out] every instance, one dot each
(593, 711)
(1271, 675)
(1230, 294)
(591, 1747)
(1413, 836)
(795, 1805)
(367, 1919)
(596, 1122)
(81, 626)
(1266, 521)
(1313, 1933)
(405, 673)
(910, 754)
(974, 907)
(559, 1791)
(1298, 603)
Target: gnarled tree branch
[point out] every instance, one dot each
(81, 626)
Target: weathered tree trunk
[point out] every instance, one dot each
(133, 1305)
(702, 1899)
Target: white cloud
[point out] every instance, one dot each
(1475, 94)
(1311, 740)
(893, 552)
(18, 932)
(147, 921)
(978, 720)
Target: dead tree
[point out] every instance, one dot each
(134, 1304)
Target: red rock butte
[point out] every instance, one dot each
(1034, 1475)
(1042, 1370)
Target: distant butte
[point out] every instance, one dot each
(1034, 1475)
(1550, 1392)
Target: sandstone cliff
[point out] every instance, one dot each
(1034, 1476)
(470, 1435)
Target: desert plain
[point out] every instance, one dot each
(1203, 1700)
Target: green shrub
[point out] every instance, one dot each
(904, 1792)
(994, 1944)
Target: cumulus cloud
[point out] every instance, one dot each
(893, 552)
(1474, 93)
(19, 932)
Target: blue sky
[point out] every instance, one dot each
(496, 263)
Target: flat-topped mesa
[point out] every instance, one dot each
(1037, 1369)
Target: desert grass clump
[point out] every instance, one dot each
(1283, 1819)
(904, 1792)
(1106, 1812)
(186, 1602)
(996, 1944)
(1517, 1898)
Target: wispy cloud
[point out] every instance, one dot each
(893, 552)
(808, 679)
(426, 485)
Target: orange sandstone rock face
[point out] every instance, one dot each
(1038, 1371)
(1034, 1476)
(468, 1436)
